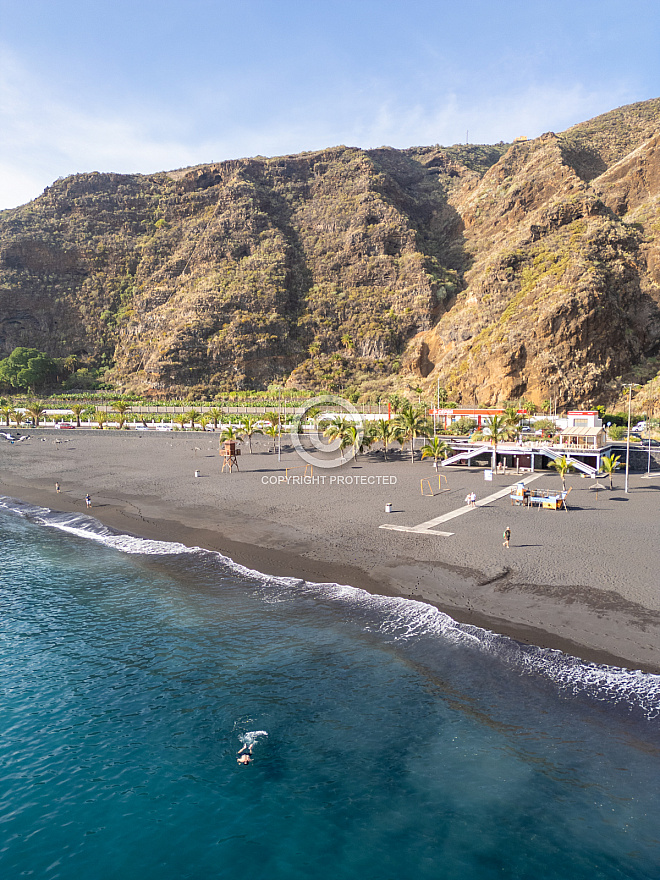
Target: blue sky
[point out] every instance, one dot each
(143, 86)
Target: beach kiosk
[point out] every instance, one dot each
(520, 495)
(229, 454)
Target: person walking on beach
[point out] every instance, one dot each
(473, 499)
(57, 488)
(88, 501)
(507, 537)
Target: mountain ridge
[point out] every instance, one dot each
(497, 271)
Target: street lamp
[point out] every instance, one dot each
(630, 388)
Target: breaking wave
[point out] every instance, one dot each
(405, 622)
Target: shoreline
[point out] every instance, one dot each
(280, 563)
(292, 533)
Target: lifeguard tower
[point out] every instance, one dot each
(229, 454)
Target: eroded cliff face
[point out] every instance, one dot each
(531, 270)
(230, 275)
(562, 296)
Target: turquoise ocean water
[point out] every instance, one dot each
(394, 744)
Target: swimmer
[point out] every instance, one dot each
(245, 754)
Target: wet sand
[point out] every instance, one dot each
(584, 581)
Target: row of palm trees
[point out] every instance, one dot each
(409, 424)
(35, 411)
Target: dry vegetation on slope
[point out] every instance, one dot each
(530, 270)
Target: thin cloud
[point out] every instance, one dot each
(43, 136)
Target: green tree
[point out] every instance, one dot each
(616, 432)
(410, 424)
(610, 464)
(368, 437)
(215, 414)
(462, 426)
(70, 363)
(100, 417)
(396, 402)
(193, 417)
(77, 410)
(121, 408)
(339, 429)
(512, 417)
(272, 431)
(7, 411)
(496, 430)
(249, 427)
(181, 419)
(563, 466)
(545, 425)
(37, 410)
(230, 432)
(27, 368)
(436, 448)
(385, 433)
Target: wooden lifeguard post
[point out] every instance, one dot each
(229, 454)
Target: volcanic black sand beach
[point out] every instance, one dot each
(584, 581)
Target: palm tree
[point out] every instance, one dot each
(230, 433)
(610, 464)
(249, 427)
(121, 408)
(215, 413)
(18, 417)
(181, 419)
(497, 429)
(203, 422)
(339, 429)
(37, 411)
(351, 438)
(411, 423)
(436, 448)
(384, 431)
(396, 402)
(77, 409)
(368, 437)
(416, 389)
(511, 417)
(7, 411)
(563, 466)
(193, 417)
(100, 417)
(272, 431)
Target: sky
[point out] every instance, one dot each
(143, 86)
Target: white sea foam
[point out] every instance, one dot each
(401, 620)
(252, 736)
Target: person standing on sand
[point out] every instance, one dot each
(473, 499)
(88, 501)
(507, 537)
(57, 488)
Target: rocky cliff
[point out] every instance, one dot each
(501, 272)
